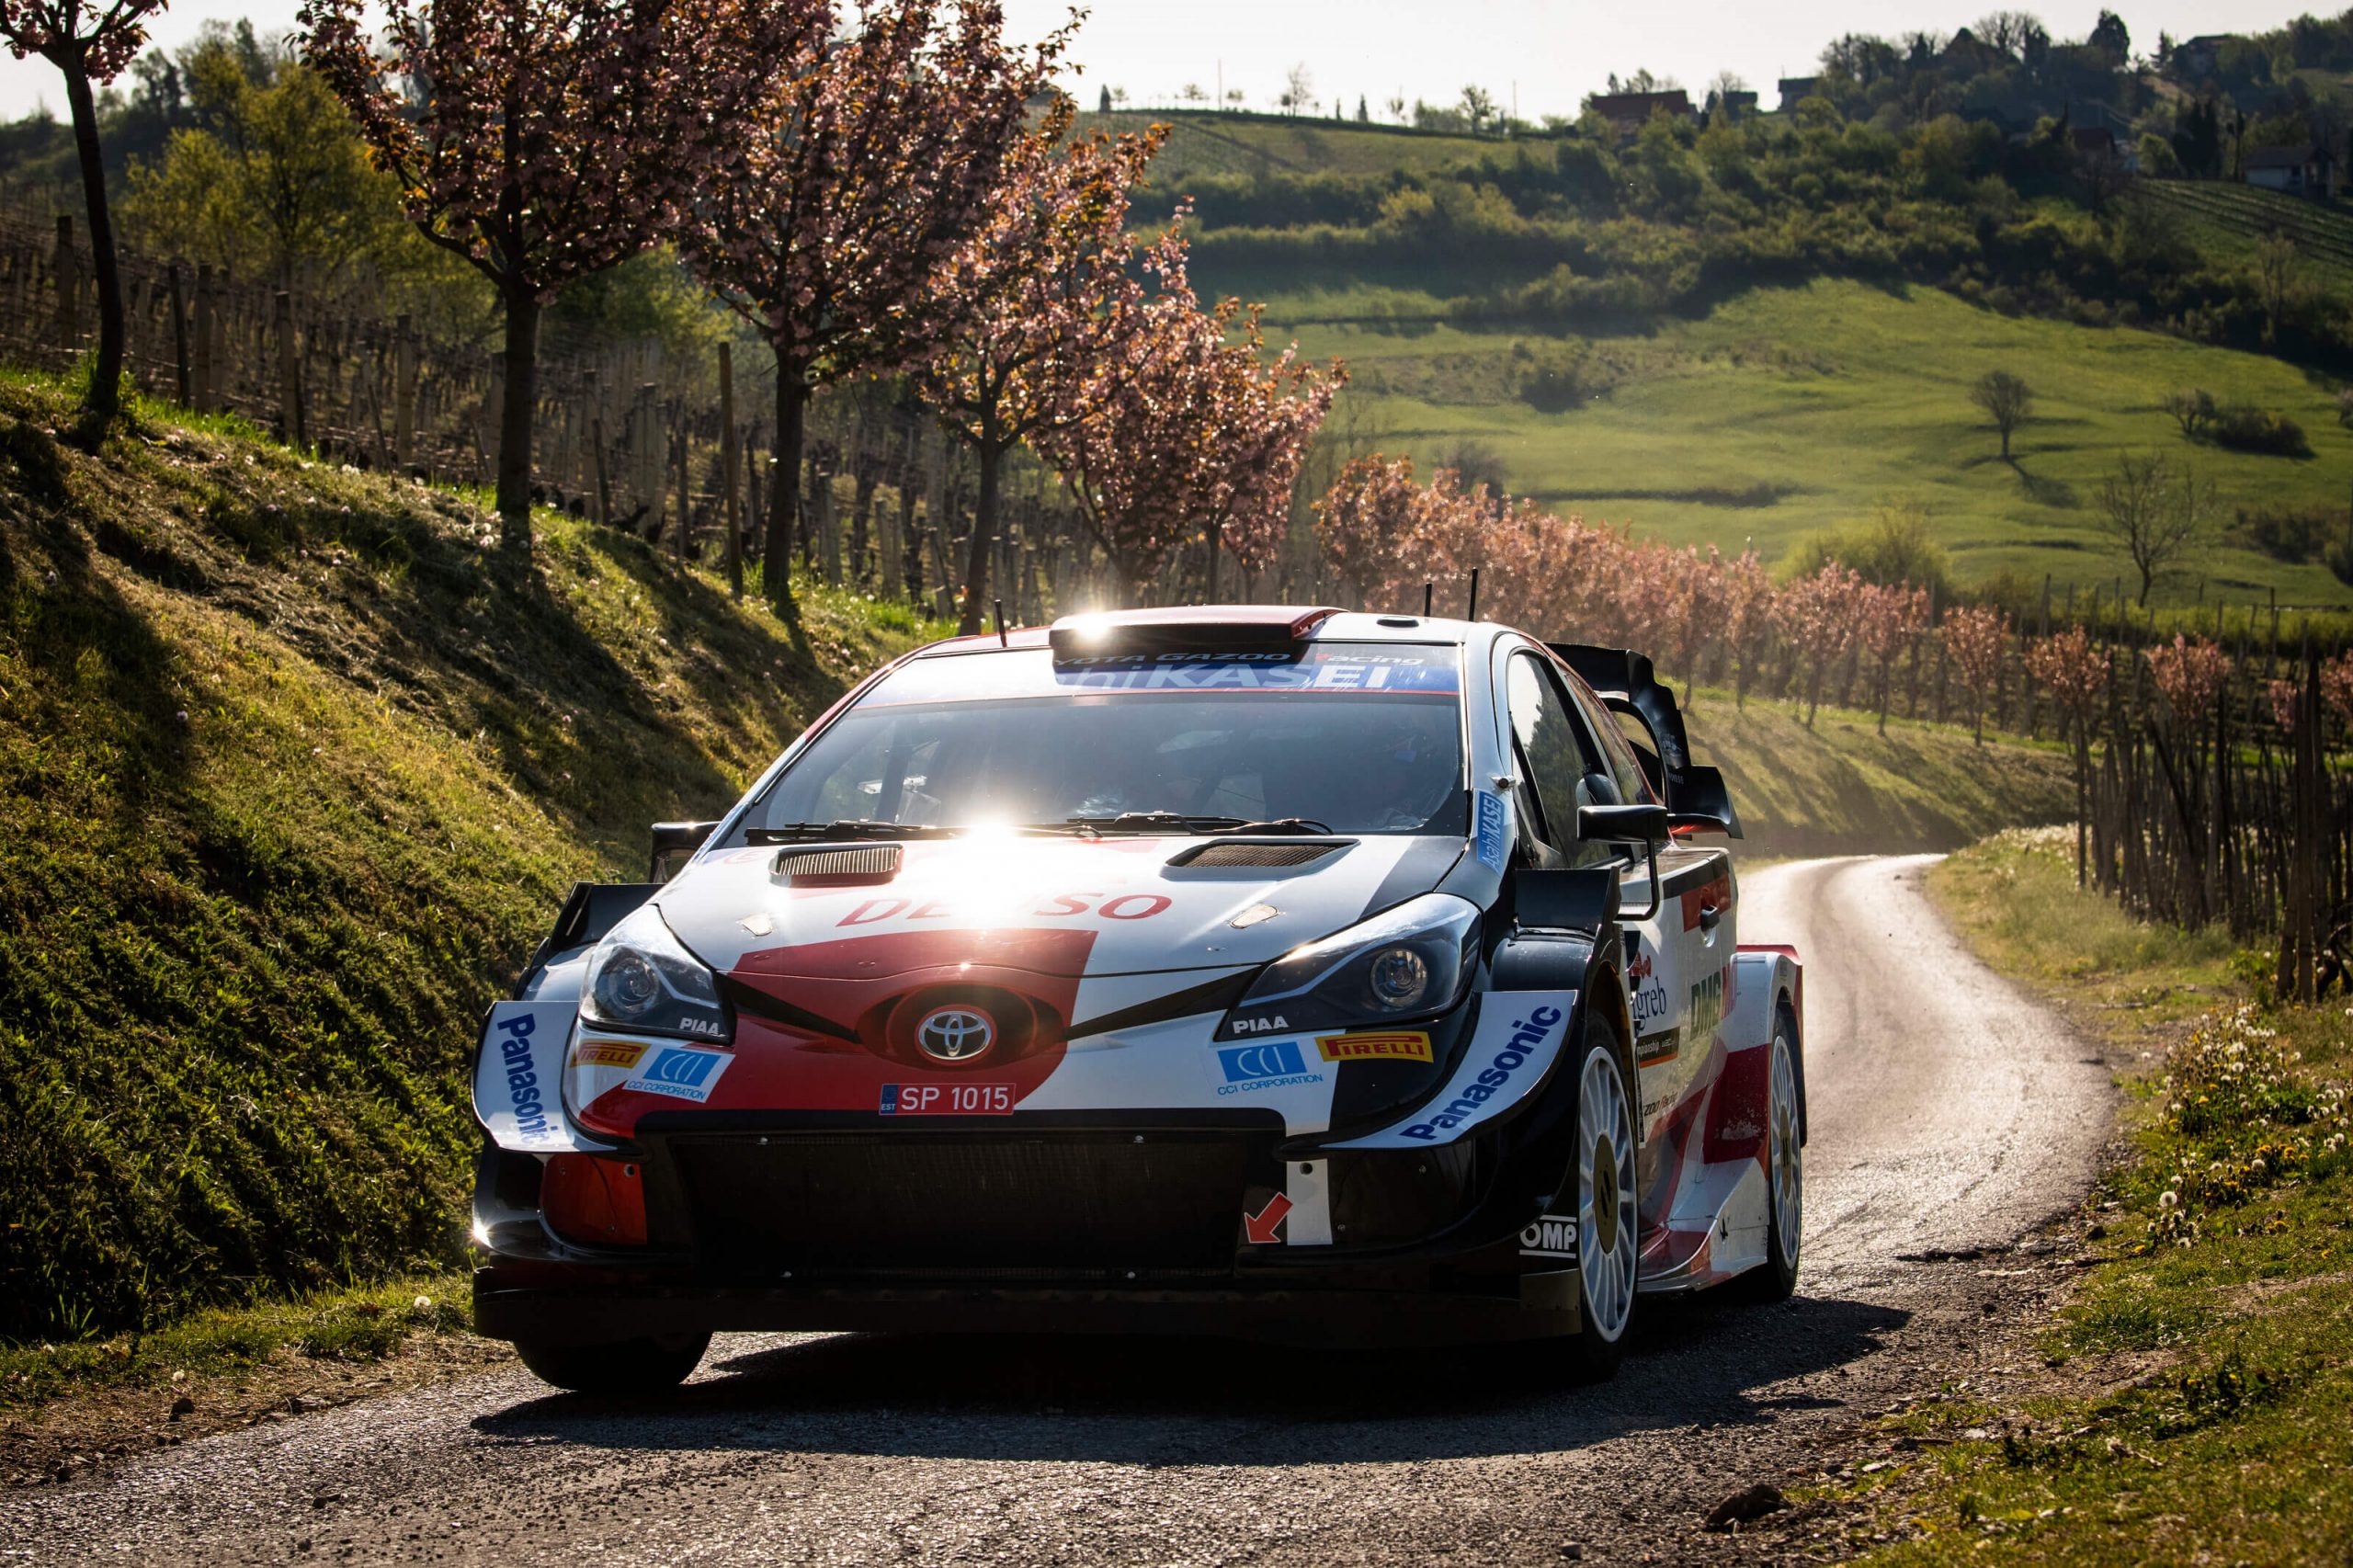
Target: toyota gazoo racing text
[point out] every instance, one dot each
(1239, 970)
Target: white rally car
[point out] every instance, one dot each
(1230, 968)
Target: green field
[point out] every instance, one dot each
(2226, 221)
(1786, 411)
(1201, 143)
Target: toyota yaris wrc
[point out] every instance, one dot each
(1293, 974)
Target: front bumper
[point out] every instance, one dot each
(1060, 1222)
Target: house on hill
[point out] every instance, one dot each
(1629, 112)
(2300, 171)
(1795, 90)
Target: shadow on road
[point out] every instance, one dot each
(1195, 1400)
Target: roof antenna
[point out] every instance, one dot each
(1427, 589)
(1472, 613)
(1000, 623)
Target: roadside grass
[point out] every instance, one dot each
(355, 1326)
(1784, 412)
(2194, 1410)
(1842, 788)
(294, 770)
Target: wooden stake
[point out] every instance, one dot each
(179, 338)
(290, 378)
(727, 469)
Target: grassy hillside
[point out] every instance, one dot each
(1785, 411)
(1842, 788)
(292, 774)
(1256, 143)
(2228, 220)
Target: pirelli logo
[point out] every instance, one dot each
(1396, 1045)
(606, 1053)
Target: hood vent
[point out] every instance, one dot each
(1229, 852)
(839, 865)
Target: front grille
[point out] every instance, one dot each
(911, 1202)
(839, 867)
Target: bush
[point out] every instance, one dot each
(2293, 534)
(2192, 408)
(2261, 430)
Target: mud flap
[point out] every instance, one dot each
(1716, 1225)
(518, 1078)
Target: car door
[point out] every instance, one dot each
(1676, 960)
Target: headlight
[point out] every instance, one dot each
(1410, 961)
(640, 979)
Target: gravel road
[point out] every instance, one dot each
(1948, 1114)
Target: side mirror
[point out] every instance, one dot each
(676, 841)
(1641, 823)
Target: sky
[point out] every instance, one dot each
(1545, 54)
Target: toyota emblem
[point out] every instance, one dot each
(955, 1034)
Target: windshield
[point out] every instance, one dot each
(1358, 737)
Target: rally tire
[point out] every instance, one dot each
(617, 1367)
(1776, 1278)
(1607, 1208)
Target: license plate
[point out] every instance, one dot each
(947, 1099)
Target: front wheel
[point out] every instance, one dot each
(621, 1367)
(1609, 1234)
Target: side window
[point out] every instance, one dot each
(1557, 757)
(1624, 769)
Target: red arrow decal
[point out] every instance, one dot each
(1260, 1227)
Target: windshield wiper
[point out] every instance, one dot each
(842, 831)
(1148, 822)
(1292, 826)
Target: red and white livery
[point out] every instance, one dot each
(1231, 969)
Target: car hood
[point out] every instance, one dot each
(1059, 906)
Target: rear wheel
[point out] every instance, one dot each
(617, 1367)
(1784, 1168)
(1609, 1234)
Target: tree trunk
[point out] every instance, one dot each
(991, 452)
(784, 487)
(519, 400)
(104, 396)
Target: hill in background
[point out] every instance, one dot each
(1727, 326)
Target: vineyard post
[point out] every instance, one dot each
(2300, 927)
(404, 390)
(1941, 670)
(647, 455)
(180, 373)
(727, 449)
(66, 272)
(755, 494)
(678, 448)
(597, 451)
(289, 378)
(200, 351)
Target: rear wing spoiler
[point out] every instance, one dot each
(1695, 796)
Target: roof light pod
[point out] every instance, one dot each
(1186, 629)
